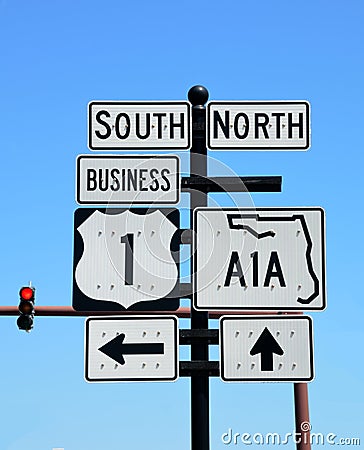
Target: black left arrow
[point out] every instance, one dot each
(266, 345)
(115, 349)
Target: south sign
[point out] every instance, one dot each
(138, 125)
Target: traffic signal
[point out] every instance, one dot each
(26, 308)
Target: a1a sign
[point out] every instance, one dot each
(259, 259)
(126, 259)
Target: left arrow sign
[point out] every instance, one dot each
(132, 348)
(116, 349)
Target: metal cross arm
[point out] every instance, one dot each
(199, 368)
(188, 337)
(232, 184)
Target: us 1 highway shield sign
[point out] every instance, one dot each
(126, 259)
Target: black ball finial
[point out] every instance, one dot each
(198, 95)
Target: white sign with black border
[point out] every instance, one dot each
(137, 348)
(127, 179)
(266, 348)
(259, 259)
(258, 125)
(129, 125)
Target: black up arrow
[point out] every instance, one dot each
(266, 345)
(115, 349)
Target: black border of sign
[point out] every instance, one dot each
(267, 147)
(257, 380)
(81, 302)
(145, 147)
(262, 308)
(140, 318)
(78, 178)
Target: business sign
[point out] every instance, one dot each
(258, 125)
(259, 259)
(133, 179)
(134, 348)
(114, 125)
(126, 259)
(270, 348)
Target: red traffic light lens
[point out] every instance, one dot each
(26, 293)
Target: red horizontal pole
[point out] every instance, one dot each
(183, 313)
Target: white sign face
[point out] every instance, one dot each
(125, 258)
(258, 125)
(139, 125)
(270, 348)
(134, 179)
(259, 259)
(136, 348)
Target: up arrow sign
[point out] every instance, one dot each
(248, 345)
(266, 345)
(116, 349)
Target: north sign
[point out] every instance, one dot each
(269, 348)
(131, 180)
(126, 259)
(138, 348)
(259, 259)
(258, 125)
(114, 125)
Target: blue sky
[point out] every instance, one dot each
(55, 58)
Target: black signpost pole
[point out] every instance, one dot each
(200, 427)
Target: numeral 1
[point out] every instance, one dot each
(128, 240)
